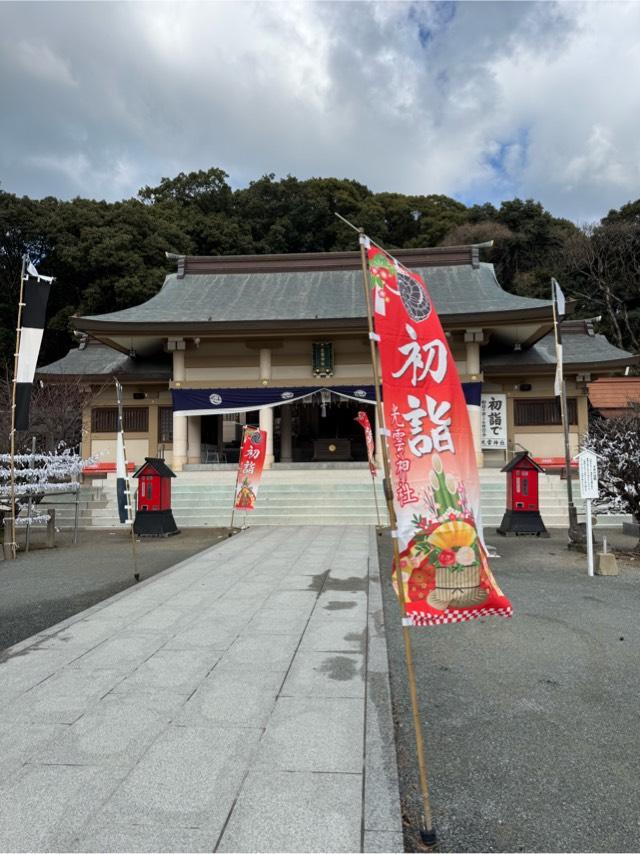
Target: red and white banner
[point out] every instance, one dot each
(363, 419)
(436, 490)
(252, 454)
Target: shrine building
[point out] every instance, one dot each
(281, 341)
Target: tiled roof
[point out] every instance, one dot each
(614, 392)
(309, 295)
(96, 359)
(580, 347)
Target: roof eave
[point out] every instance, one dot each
(99, 328)
(572, 367)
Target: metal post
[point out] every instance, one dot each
(589, 539)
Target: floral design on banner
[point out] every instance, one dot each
(252, 455)
(444, 567)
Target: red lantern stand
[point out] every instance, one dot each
(154, 517)
(522, 515)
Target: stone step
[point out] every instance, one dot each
(297, 497)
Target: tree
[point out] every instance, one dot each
(55, 415)
(478, 232)
(603, 265)
(109, 256)
(208, 190)
(627, 213)
(616, 441)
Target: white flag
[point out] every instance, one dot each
(31, 271)
(561, 303)
(557, 386)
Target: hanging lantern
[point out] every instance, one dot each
(322, 358)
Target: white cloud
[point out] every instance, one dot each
(479, 100)
(39, 61)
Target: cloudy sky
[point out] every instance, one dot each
(480, 100)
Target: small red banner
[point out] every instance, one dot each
(252, 455)
(363, 419)
(436, 490)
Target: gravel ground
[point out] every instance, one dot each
(48, 585)
(531, 723)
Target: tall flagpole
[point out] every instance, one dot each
(428, 833)
(574, 531)
(12, 434)
(127, 484)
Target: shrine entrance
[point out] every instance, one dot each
(321, 430)
(303, 425)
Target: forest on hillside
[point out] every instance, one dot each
(111, 255)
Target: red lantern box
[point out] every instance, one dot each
(522, 515)
(154, 517)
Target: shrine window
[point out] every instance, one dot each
(104, 419)
(165, 424)
(543, 412)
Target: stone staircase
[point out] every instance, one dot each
(300, 496)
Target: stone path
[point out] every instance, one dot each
(236, 702)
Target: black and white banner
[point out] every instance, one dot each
(35, 297)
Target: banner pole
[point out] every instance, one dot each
(127, 483)
(235, 491)
(375, 498)
(29, 502)
(12, 435)
(428, 832)
(574, 530)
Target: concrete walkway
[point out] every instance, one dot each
(236, 702)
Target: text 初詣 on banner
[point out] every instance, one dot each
(252, 456)
(436, 490)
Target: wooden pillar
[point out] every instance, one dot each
(194, 453)
(153, 430)
(286, 439)
(473, 338)
(179, 421)
(266, 413)
(266, 423)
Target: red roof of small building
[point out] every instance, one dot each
(157, 465)
(613, 395)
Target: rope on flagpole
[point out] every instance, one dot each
(427, 832)
(12, 435)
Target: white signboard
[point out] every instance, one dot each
(494, 421)
(588, 471)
